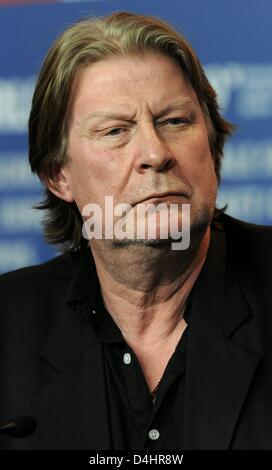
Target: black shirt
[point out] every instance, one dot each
(136, 421)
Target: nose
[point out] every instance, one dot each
(153, 152)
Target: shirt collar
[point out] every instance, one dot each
(85, 289)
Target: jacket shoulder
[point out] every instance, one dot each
(250, 247)
(37, 290)
(247, 232)
(60, 267)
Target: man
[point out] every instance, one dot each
(127, 343)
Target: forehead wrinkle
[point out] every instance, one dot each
(113, 114)
(99, 116)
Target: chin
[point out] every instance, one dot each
(156, 243)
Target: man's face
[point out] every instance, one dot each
(137, 132)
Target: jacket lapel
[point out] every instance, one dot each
(219, 370)
(218, 378)
(72, 408)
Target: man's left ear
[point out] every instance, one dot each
(59, 185)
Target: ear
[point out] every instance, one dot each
(60, 186)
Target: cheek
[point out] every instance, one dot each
(200, 165)
(91, 177)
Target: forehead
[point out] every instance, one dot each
(152, 80)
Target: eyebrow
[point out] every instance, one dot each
(124, 116)
(176, 107)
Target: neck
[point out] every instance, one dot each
(145, 288)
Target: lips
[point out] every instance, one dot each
(160, 196)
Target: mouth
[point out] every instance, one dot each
(159, 196)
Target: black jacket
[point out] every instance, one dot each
(51, 360)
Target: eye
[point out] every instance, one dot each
(114, 132)
(176, 121)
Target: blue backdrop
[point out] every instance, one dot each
(233, 40)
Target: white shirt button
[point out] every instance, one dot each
(153, 434)
(127, 358)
